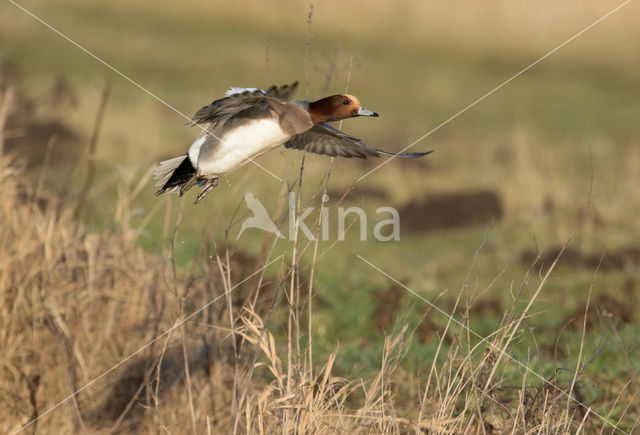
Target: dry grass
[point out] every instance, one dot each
(75, 304)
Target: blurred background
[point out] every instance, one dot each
(552, 157)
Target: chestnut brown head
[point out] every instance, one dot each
(337, 107)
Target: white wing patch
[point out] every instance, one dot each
(234, 91)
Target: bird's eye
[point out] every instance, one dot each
(346, 102)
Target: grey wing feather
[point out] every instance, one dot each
(324, 139)
(282, 93)
(220, 111)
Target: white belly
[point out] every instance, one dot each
(213, 157)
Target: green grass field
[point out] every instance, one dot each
(558, 147)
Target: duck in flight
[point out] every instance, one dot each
(249, 122)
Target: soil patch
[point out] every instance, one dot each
(360, 192)
(615, 260)
(34, 120)
(605, 306)
(452, 210)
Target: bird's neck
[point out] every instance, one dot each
(320, 111)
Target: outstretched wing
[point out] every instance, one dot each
(324, 139)
(236, 100)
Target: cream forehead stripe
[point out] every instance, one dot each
(353, 99)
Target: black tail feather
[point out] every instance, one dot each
(183, 173)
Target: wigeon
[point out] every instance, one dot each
(249, 122)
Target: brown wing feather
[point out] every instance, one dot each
(324, 139)
(220, 111)
(283, 93)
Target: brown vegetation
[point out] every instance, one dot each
(98, 335)
(76, 304)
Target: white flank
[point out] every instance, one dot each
(234, 91)
(239, 145)
(194, 150)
